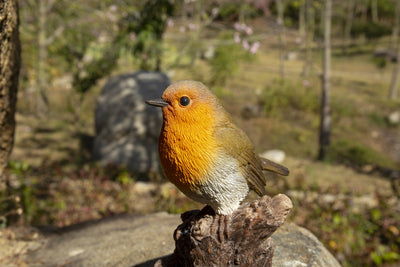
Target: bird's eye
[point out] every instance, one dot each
(184, 101)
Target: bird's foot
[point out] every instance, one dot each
(207, 210)
(223, 222)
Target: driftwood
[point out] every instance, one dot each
(247, 243)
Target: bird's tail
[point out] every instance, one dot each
(271, 166)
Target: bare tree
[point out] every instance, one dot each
(302, 21)
(309, 18)
(42, 101)
(395, 40)
(362, 9)
(44, 39)
(9, 72)
(282, 41)
(325, 124)
(374, 10)
(348, 23)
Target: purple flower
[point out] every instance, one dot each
(254, 47)
(113, 8)
(192, 26)
(245, 45)
(306, 83)
(238, 27)
(248, 30)
(241, 27)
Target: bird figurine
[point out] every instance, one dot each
(205, 154)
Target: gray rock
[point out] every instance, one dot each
(394, 118)
(252, 110)
(297, 247)
(127, 129)
(208, 53)
(383, 52)
(275, 155)
(292, 56)
(119, 241)
(140, 240)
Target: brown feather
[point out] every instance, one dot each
(242, 150)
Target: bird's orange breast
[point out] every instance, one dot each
(188, 147)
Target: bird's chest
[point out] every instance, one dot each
(187, 154)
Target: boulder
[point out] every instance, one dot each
(127, 129)
(130, 240)
(394, 118)
(296, 246)
(275, 155)
(383, 52)
(124, 240)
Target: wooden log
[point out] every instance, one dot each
(248, 242)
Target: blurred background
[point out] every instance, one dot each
(266, 60)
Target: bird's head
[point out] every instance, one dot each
(189, 102)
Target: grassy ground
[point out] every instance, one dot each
(352, 209)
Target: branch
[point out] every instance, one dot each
(56, 33)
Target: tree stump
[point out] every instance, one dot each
(248, 242)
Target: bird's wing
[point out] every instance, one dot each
(237, 145)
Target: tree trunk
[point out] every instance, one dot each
(325, 124)
(374, 10)
(395, 44)
(309, 36)
(9, 72)
(41, 86)
(362, 9)
(348, 24)
(248, 243)
(302, 22)
(282, 41)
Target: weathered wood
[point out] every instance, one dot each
(248, 243)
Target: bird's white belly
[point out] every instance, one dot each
(224, 188)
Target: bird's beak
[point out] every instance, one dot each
(157, 103)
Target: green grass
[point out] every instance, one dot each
(352, 152)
